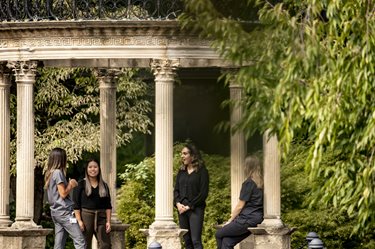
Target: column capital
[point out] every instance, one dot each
(164, 69)
(24, 71)
(231, 73)
(4, 75)
(107, 77)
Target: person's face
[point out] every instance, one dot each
(186, 158)
(92, 169)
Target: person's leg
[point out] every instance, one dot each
(184, 224)
(89, 222)
(196, 218)
(230, 235)
(74, 232)
(104, 238)
(60, 234)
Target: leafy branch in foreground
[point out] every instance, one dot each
(307, 72)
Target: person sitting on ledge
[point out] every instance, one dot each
(249, 210)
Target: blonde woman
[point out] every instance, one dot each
(249, 210)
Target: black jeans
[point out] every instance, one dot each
(193, 221)
(231, 234)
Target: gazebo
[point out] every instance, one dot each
(107, 35)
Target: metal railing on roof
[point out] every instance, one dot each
(44, 10)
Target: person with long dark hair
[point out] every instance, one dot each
(61, 206)
(190, 193)
(249, 209)
(93, 206)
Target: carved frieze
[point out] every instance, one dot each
(62, 41)
(98, 36)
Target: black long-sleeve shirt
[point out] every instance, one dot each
(191, 189)
(92, 202)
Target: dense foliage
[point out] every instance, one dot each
(307, 72)
(136, 197)
(136, 202)
(67, 111)
(333, 225)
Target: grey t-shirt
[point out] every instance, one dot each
(58, 205)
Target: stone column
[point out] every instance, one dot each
(107, 85)
(164, 229)
(237, 145)
(238, 151)
(25, 79)
(272, 194)
(108, 160)
(4, 146)
(271, 233)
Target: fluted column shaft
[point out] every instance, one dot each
(272, 193)
(237, 144)
(107, 85)
(164, 71)
(25, 72)
(4, 146)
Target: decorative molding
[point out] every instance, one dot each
(110, 40)
(137, 41)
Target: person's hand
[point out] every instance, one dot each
(226, 223)
(73, 183)
(108, 227)
(81, 225)
(180, 208)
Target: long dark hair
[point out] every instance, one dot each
(196, 155)
(103, 192)
(56, 160)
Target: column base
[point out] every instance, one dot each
(169, 235)
(25, 224)
(270, 234)
(5, 221)
(24, 238)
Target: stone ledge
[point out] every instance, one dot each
(24, 238)
(11, 232)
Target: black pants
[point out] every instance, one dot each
(193, 221)
(231, 234)
(94, 222)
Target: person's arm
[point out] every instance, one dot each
(176, 195)
(108, 213)
(176, 190)
(77, 213)
(65, 190)
(236, 210)
(77, 195)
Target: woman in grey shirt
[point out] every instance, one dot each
(61, 205)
